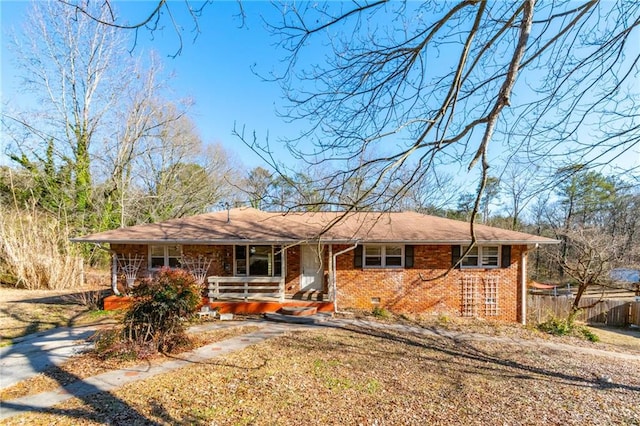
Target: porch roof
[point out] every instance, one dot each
(247, 225)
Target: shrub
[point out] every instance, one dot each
(589, 335)
(111, 344)
(556, 326)
(90, 299)
(567, 326)
(381, 313)
(160, 308)
(155, 321)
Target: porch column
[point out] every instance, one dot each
(331, 275)
(523, 288)
(114, 274)
(283, 274)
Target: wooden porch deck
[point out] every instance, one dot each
(265, 306)
(236, 306)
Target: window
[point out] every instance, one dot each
(258, 261)
(388, 256)
(481, 257)
(164, 255)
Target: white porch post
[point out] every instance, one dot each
(114, 274)
(523, 288)
(283, 274)
(331, 277)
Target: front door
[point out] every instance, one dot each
(312, 270)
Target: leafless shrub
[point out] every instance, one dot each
(90, 299)
(35, 252)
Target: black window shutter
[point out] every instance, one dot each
(455, 256)
(357, 257)
(408, 256)
(506, 257)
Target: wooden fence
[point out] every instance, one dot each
(607, 311)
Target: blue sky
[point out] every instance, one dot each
(214, 70)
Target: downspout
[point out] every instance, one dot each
(333, 278)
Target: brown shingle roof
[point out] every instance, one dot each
(250, 225)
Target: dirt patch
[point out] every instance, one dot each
(372, 377)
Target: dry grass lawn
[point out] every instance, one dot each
(29, 311)
(364, 376)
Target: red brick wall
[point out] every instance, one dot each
(417, 289)
(421, 289)
(221, 256)
(292, 280)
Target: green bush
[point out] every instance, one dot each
(589, 335)
(381, 313)
(567, 326)
(556, 326)
(160, 308)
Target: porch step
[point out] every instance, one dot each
(316, 319)
(299, 311)
(309, 295)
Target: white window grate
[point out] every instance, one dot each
(469, 296)
(491, 307)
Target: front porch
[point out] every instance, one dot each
(257, 307)
(235, 306)
(259, 295)
(247, 296)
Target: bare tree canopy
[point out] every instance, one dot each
(414, 85)
(390, 90)
(102, 145)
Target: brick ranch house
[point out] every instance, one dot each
(396, 261)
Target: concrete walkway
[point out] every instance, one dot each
(18, 368)
(29, 355)
(35, 353)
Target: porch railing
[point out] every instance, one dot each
(246, 288)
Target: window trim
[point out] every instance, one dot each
(275, 272)
(480, 255)
(165, 255)
(383, 256)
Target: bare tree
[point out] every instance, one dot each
(407, 87)
(592, 255)
(67, 64)
(175, 173)
(257, 186)
(422, 83)
(521, 183)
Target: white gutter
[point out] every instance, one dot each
(333, 273)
